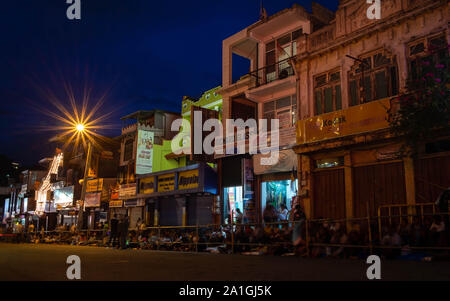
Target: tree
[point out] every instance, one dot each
(423, 113)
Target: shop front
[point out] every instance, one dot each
(350, 164)
(97, 200)
(182, 196)
(238, 189)
(278, 185)
(63, 199)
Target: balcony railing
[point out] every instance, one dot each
(274, 72)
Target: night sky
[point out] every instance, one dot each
(144, 54)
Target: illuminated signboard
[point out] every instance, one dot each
(144, 157)
(166, 182)
(94, 185)
(127, 190)
(63, 197)
(116, 204)
(367, 117)
(93, 199)
(188, 179)
(147, 185)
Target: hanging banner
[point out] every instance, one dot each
(94, 185)
(188, 179)
(147, 185)
(144, 157)
(92, 199)
(166, 182)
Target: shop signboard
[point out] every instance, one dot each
(166, 182)
(92, 199)
(114, 194)
(188, 179)
(135, 203)
(362, 118)
(147, 185)
(63, 197)
(94, 185)
(116, 204)
(249, 195)
(144, 157)
(127, 190)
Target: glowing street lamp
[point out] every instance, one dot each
(80, 127)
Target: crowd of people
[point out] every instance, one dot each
(275, 237)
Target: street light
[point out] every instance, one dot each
(80, 128)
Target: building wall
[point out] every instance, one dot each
(352, 33)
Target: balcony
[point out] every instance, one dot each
(272, 79)
(271, 73)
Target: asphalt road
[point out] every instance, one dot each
(48, 262)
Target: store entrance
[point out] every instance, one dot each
(232, 201)
(278, 195)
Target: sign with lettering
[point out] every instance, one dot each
(94, 185)
(144, 157)
(188, 179)
(147, 185)
(92, 199)
(127, 190)
(116, 204)
(166, 182)
(362, 118)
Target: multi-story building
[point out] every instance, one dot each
(269, 91)
(350, 70)
(142, 136)
(328, 79)
(181, 190)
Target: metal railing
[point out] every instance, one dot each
(257, 238)
(270, 73)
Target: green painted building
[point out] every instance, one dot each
(163, 156)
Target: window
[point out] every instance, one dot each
(327, 92)
(128, 150)
(284, 109)
(277, 54)
(423, 55)
(329, 162)
(374, 78)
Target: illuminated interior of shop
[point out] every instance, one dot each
(232, 201)
(277, 193)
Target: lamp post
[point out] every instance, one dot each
(80, 129)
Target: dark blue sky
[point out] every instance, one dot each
(147, 54)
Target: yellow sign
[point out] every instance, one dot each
(367, 117)
(94, 185)
(115, 204)
(166, 182)
(147, 185)
(188, 179)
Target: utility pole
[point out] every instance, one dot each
(83, 189)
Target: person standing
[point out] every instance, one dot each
(124, 232)
(113, 236)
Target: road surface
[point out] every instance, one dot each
(48, 262)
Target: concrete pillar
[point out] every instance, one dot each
(305, 184)
(408, 165)
(348, 187)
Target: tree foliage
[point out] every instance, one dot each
(423, 112)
